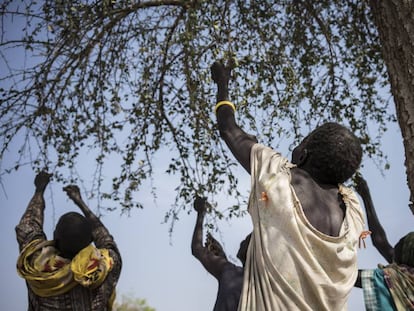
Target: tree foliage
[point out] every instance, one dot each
(130, 303)
(130, 80)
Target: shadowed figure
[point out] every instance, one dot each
(306, 224)
(213, 258)
(68, 272)
(389, 287)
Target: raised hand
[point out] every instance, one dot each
(42, 179)
(201, 205)
(221, 73)
(73, 193)
(214, 246)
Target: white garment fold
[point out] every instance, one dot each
(290, 264)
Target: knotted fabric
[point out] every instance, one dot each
(49, 274)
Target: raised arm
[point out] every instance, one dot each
(212, 263)
(238, 141)
(102, 239)
(378, 236)
(101, 236)
(30, 226)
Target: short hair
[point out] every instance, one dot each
(334, 153)
(404, 250)
(73, 232)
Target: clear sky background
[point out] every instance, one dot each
(160, 268)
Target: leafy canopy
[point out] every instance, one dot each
(130, 80)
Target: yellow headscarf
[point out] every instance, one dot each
(48, 274)
(91, 266)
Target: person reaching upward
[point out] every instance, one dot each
(387, 287)
(306, 223)
(213, 258)
(78, 270)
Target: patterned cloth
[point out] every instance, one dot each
(79, 298)
(376, 293)
(400, 281)
(392, 287)
(290, 264)
(48, 274)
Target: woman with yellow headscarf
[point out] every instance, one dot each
(78, 269)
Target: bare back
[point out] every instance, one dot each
(321, 203)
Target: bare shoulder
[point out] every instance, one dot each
(321, 203)
(300, 179)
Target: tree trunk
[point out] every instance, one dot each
(395, 23)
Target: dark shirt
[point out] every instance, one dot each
(230, 287)
(79, 298)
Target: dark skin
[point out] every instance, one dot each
(378, 236)
(211, 255)
(321, 203)
(41, 181)
(73, 193)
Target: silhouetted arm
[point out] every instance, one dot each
(101, 236)
(238, 141)
(212, 263)
(378, 236)
(197, 242)
(30, 226)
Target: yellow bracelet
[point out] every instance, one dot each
(222, 103)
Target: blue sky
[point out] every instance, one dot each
(160, 268)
